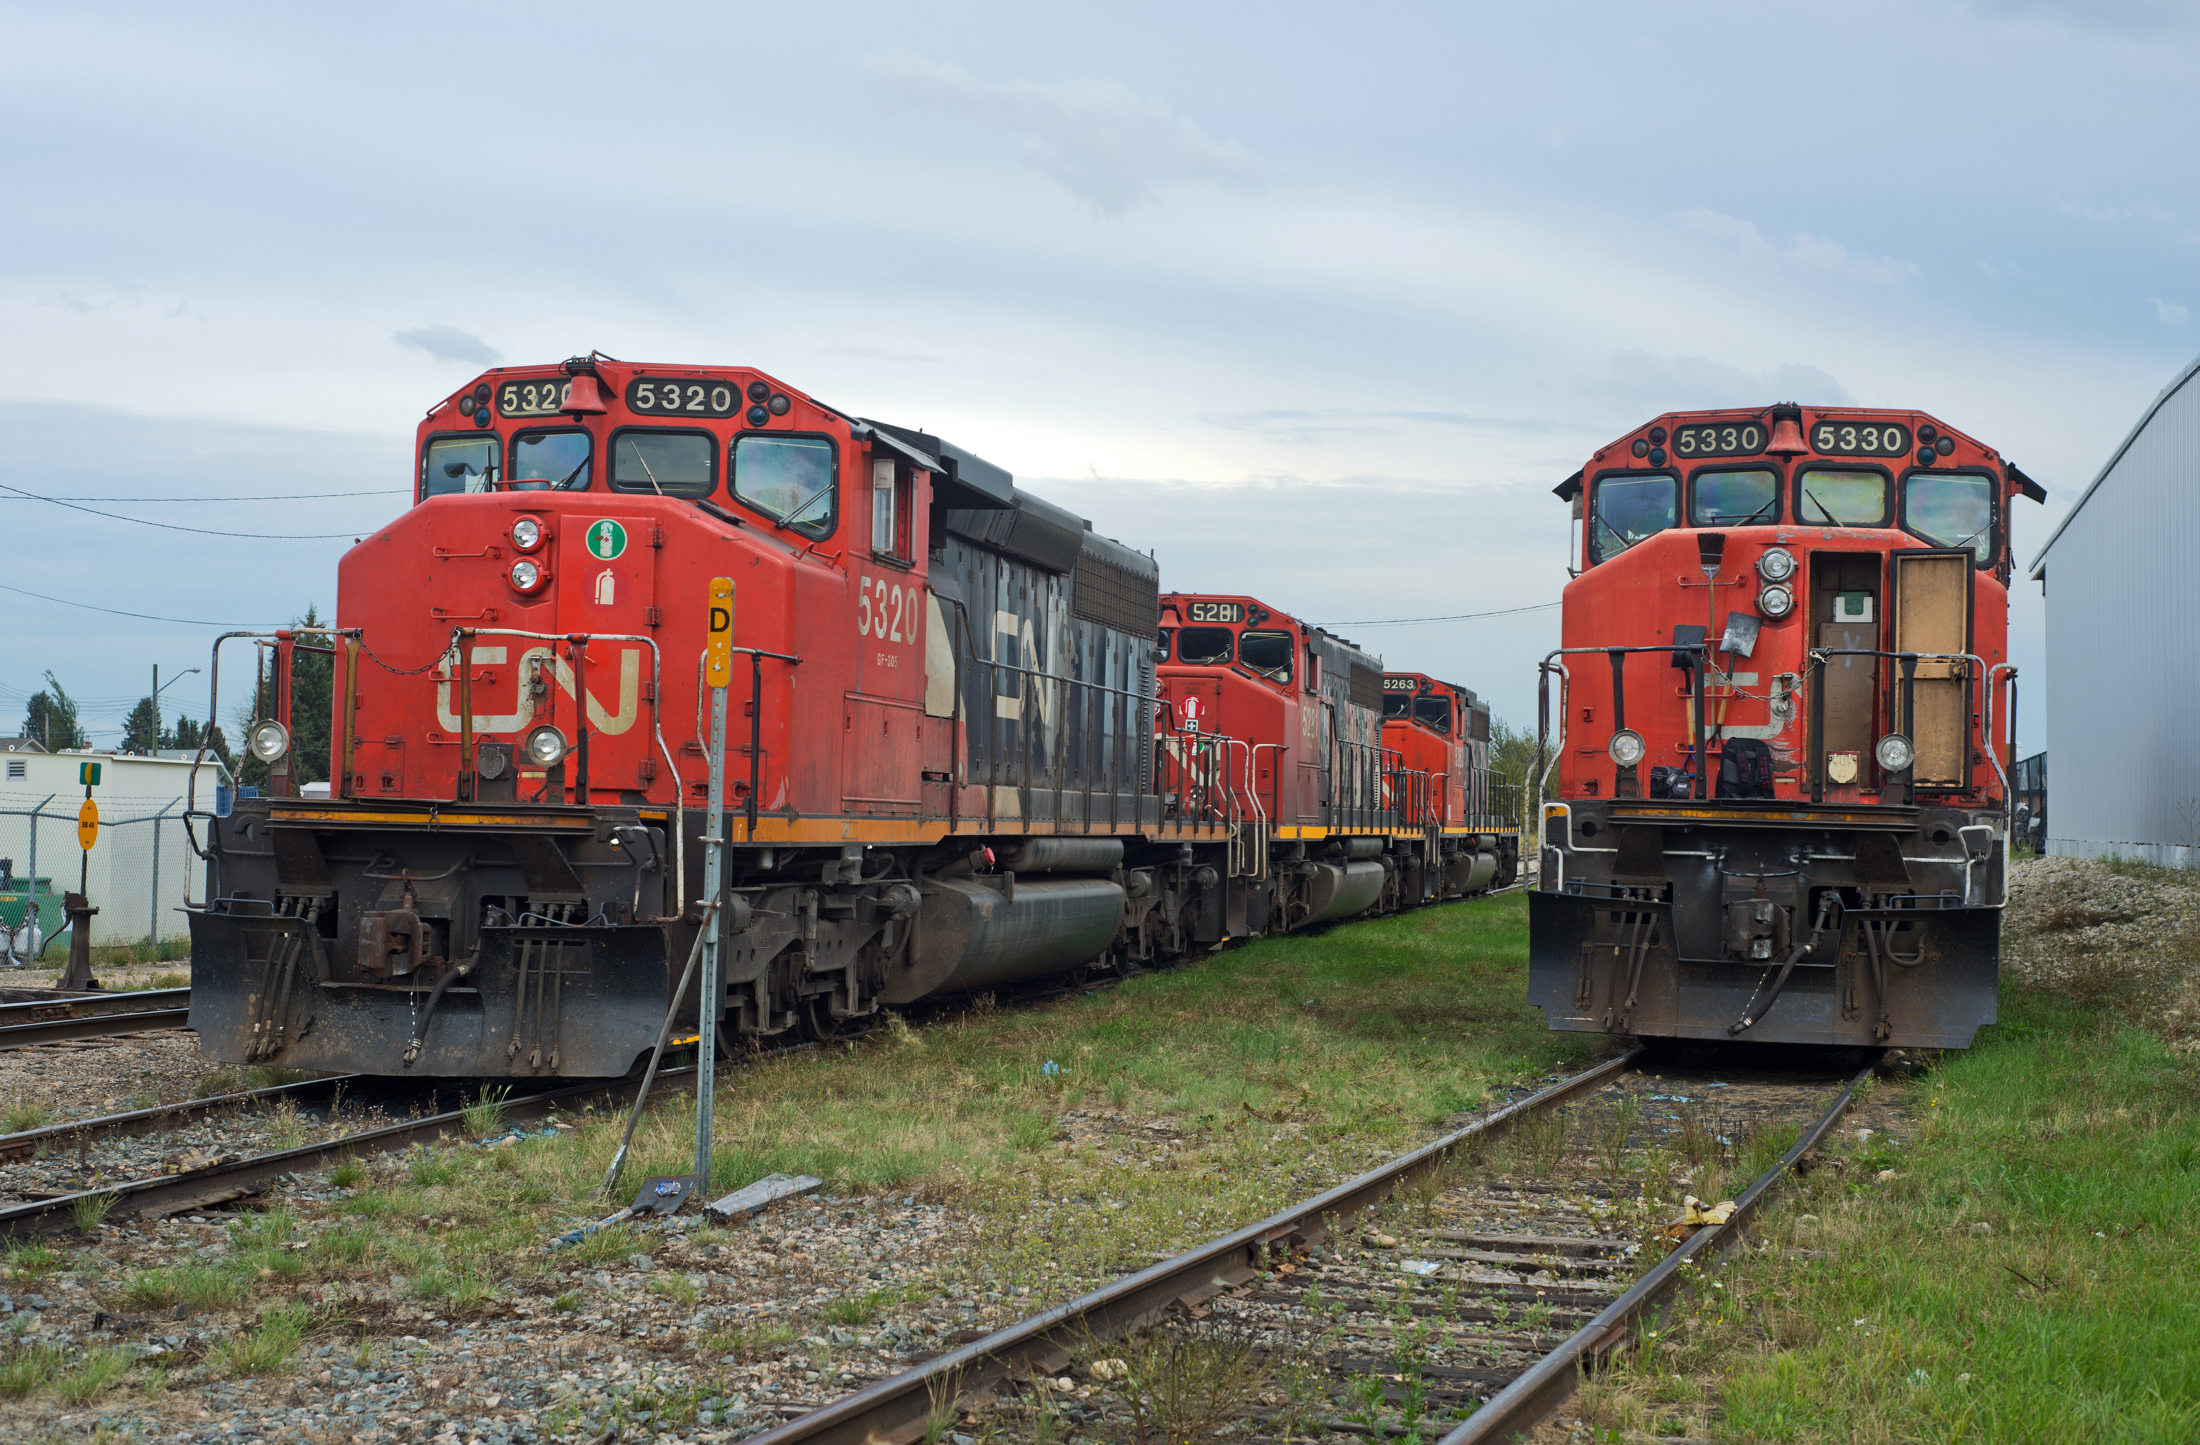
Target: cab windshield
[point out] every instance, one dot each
(1397, 705)
(457, 464)
(1432, 710)
(1628, 509)
(1734, 499)
(543, 460)
(1203, 646)
(1828, 498)
(1951, 509)
(1267, 653)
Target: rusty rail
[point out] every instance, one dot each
(218, 1183)
(901, 1407)
(1525, 1403)
(83, 1016)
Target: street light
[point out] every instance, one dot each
(158, 684)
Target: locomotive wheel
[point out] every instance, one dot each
(818, 1021)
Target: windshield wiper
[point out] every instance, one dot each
(636, 449)
(1812, 498)
(786, 521)
(1721, 519)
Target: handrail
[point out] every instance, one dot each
(462, 646)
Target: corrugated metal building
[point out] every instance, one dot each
(2123, 646)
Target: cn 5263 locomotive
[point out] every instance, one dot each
(945, 768)
(1779, 729)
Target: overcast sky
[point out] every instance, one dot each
(1313, 302)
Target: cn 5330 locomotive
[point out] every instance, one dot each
(1781, 716)
(945, 765)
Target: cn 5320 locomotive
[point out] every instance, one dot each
(1779, 722)
(945, 766)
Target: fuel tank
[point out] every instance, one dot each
(970, 934)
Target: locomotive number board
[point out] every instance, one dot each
(1859, 438)
(1400, 684)
(669, 396)
(532, 398)
(1717, 439)
(1215, 611)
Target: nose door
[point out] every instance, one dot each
(1932, 593)
(606, 583)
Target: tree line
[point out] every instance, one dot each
(52, 720)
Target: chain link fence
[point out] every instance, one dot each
(135, 875)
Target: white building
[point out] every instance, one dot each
(141, 863)
(2123, 597)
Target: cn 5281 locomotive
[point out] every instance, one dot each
(945, 768)
(1779, 727)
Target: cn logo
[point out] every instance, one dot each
(1188, 711)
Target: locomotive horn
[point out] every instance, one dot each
(1787, 432)
(583, 397)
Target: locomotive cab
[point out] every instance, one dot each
(1779, 728)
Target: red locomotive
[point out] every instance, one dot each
(1440, 734)
(1782, 713)
(945, 768)
(1280, 725)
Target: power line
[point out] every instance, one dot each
(1459, 617)
(145, 616)
(173, 527)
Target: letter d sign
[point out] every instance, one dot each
(718, 654)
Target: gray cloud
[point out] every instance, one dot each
(448, 343)
(1650, 384)
(1107, 145)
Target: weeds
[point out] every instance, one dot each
(347, 1174)
(30, 1259)
(267, 1347)
(1188, 1385)
(194, 1286)
(1542, 1138)
(96, 1373)
(23, 1113)
(487, 1108)
(26, 1368)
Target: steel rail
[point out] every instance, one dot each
(218, 1183)
(900, 1407)
(95, 1025)
(91, 1005)
(1529, 1400)
(166, 1116)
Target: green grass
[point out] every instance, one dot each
(30, 1259)
(22, 1113)
(99, 1371)
(265, 1348)
(195, 1286)
(2025, 1274)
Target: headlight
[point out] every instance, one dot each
(1894, 753)
(1777, 564)
(526, 576)
(269, 741)
(1774, 601)
(1626, 747)
(546, 746)
(527, 534)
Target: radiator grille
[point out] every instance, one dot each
(1367, 687)
(1116, 597)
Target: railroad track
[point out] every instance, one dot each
(1486, 1300)
(92, 1015)
(232, 1179)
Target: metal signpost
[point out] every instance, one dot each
(78, 975)
(717, 675)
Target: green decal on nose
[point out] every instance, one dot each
(606, 539)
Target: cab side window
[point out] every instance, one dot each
(789, 479)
